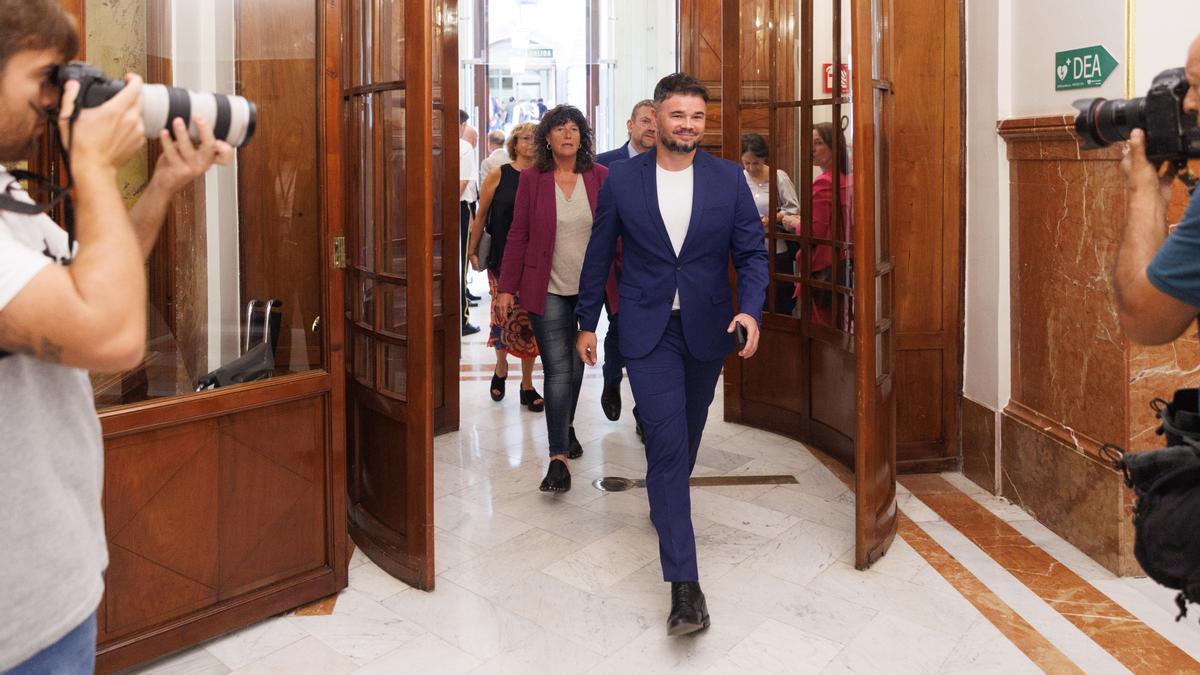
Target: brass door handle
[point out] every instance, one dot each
(316, 325)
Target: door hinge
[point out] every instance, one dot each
(339, 252)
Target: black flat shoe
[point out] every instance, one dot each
(472, 296)
(497, 386)
(558, 477)
(469, 329)
(689, 611)
(574, 449)
(530, 398)
(610, 400)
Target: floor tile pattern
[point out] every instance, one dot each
(533, 583)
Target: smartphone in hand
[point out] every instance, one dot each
(739, 332)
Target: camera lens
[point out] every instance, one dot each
(1100, 122)
(232, 118)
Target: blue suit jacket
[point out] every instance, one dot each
(724, 223)
(606, 159)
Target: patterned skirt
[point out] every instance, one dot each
(512, 333)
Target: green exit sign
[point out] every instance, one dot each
(1083, 68)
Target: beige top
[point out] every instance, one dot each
(571, 240)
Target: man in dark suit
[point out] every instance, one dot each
(681, 215)
(640, 127)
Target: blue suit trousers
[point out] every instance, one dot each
(673, 391)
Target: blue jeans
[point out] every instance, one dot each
(73, 654)
(562, 370)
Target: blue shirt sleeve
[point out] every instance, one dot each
(1175, 269)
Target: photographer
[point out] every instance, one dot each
(1157, 277)
(64, 312)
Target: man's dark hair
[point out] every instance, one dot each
(463, 116)
(679, 84)
(638, 106)
(36, 25)
(556, 117)
(755, 145)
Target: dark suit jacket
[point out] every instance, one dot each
(529, 250)
(607, 158)
(724, 223)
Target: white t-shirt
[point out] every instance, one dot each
(52, 550)
(675, 205)
(498, 158)
(468, 171)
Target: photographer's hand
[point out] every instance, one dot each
(1142, 177)
(180, 163)
(105, 137)
(1147, 315)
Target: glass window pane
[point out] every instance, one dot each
(362, 358)
(755, 60)
(395, 309)
(391, 33)
(395, 369)
(241, 235)
(394, 148)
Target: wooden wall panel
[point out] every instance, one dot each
(926, 188)
(278, 173)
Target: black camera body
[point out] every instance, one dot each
(94, 86)
(1171, 132)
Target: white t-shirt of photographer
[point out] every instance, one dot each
(52, 550)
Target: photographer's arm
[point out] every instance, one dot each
(90, 314)
(180, 163)
(1147, 315)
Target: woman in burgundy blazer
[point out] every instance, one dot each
(543, 258)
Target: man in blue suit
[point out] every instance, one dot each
(640, 127)
(681, 215)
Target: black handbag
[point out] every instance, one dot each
(257, 361)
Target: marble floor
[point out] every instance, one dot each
(532, 583)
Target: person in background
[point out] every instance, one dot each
(755, 155)
(497, 153)
(640, 128)
(511, 332)
(65, 311)
(541, 108)
(821, 259)
(468, 194)
(551, 226)
(682, 216)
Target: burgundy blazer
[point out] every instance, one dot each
(529, 251)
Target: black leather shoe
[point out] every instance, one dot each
(558, 477)
(472, 303)
(574, 449)
(469, 329)
(472, 296)
(689, 611)
(610, 400)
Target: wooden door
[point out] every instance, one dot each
(801, 383)
(875, 339)
(402, 294)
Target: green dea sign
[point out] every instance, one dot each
(1082, 68)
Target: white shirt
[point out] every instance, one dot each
(675, 205)
(468, 171)
(497, 159)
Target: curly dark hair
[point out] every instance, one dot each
(556, 117)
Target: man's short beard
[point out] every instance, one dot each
(675, 146)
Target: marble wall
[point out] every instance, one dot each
(979, 444)
(1077, 382)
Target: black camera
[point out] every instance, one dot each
(233, 118)
(1171, 132)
